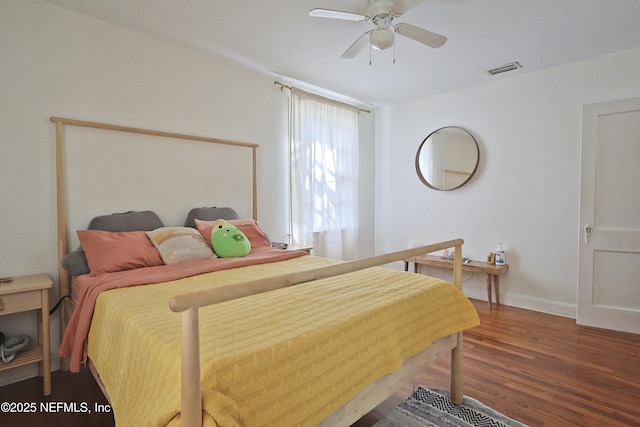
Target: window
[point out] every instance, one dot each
(323, 166)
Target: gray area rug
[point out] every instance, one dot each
(431, 407)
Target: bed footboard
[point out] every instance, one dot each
(385, 386)
(188, 304)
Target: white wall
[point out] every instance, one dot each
(58, 63)
(526, 191)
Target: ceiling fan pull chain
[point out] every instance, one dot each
(394, 54)
(369, 53)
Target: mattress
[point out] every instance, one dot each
(283, 358)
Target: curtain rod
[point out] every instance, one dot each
(284, 86)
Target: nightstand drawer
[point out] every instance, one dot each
(16, 303)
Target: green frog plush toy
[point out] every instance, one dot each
(228, 241)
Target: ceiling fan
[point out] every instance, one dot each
(382, 13)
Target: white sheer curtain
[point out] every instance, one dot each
(324, 168)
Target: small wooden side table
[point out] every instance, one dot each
(493, 272)
(306, 249)
(24, 294)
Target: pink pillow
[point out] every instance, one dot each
(249, 227)
(108, 252)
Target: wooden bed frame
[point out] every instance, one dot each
(189, 304)
(366, 400)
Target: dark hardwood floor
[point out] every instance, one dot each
(540, 369)
(77, 391)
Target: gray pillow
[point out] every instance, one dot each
(76, 262)
(209, 214)
(127, 221)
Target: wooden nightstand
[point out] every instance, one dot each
(24, 294)
(306, 249)
(288, 247)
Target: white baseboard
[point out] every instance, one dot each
(526, 302)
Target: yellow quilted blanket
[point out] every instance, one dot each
(284, 358)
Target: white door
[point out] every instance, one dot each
(609, 259)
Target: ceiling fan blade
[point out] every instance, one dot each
(336, 14)
(357, 46)
(402, 6)
(421, 35)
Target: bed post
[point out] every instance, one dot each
(456, 385)
(191, 395)
(63, 239)
(255, 182)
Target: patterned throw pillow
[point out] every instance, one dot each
(179, 244)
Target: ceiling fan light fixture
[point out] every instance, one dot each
(382, 38)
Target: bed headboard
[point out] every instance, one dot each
(105, 156)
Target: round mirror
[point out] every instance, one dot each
(447, 158)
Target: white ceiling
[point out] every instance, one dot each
(279, 38)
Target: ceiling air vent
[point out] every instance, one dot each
(503, 69)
